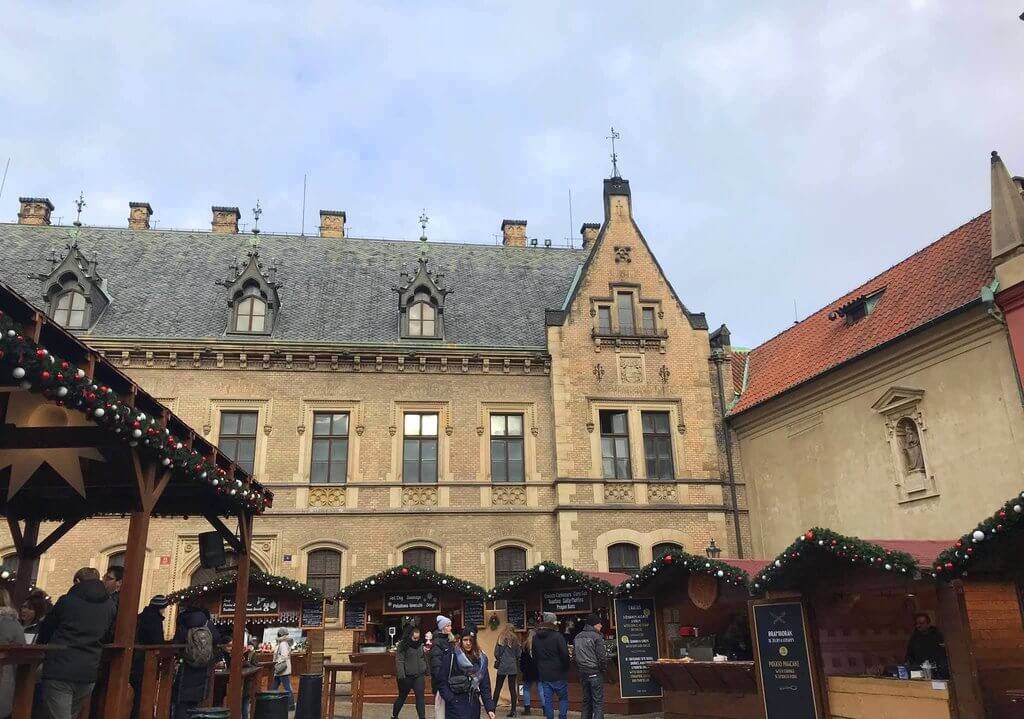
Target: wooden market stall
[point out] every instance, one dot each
(80, 439)
(377, 609)
(273, 603)
(571, 596)
(698, 608)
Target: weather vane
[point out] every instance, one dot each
(423, 225)
(79, 203)
(256, 212)
(615, 158)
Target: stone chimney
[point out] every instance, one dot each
(138, 215)
(332, 223)
(34, 211)
(225, 220)
(589, 232)
(513, 233)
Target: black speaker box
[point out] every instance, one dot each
(211, 550)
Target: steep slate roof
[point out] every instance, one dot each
(163, 284)
(943, 277)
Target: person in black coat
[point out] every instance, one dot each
(551, 653)
(464, 681)
(190, 682)
(149, 630)
(928, 645)
(410, 671)
(529, 669)
(79, 622)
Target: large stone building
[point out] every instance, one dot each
(474, 408)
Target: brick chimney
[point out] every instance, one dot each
(588, 232)
(138, 215)
(332, 223)
(225, 220)
(34, 211)
(513, 233)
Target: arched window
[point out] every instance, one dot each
(660, 550)
(508, 563)
(69, 310)
(251, 312)
(623, 558)
(323, 571)
(422, 320)
(423, 557)
(116, 560)
(11, 562)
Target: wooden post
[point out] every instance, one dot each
(964, 686)
(235, 681)
(28, 557)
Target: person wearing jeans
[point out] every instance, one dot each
(551, 654)
(283, 665)
(529, 670)
(592, 660)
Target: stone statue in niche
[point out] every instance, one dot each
(910, 446)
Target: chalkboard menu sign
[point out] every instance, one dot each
(473, 612)
(637, 639)
(786, 683)
(566, 601)
(312, 613)
(516, 614)
(355, 615)
(254, 604)
(406, 602)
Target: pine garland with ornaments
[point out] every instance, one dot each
(36, 369)
(403, 574)
(551, 571)
(798, 558)
(979, 543)
(257, 579)
(677, 562)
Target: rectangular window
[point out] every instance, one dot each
(324, 573)
(648, 319)
(507, 448)
(604, 319)
(657, 445)
(419, 451)
(624, 306)
(237, 438)
(615, 444)
(330, 448)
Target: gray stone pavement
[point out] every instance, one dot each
(343, 710)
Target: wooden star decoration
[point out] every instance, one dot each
(65, 462)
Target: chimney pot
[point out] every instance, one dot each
(1019, 182)
(332, 223)
(225, 220)
(34, 211)
(589, 231)
(513, 233)
(138, 215)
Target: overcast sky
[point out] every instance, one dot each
(776, 152)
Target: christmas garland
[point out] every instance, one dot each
(60, 381)
(9, 577)
(257, 578)
(797, 561)
(954, 562)
(551, 570)
(394, 575)
(678, 561)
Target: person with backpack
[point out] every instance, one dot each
(149, 630)
(283, 665)
(196, 631)
(410, 671)
(507, 652)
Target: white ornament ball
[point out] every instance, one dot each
(720, 573)
(888, 567)
(978, 535)
(99, 411)
(80, 373)
(778, 563)
(541, 568)
(166, 461)
(18, 372)
(1017, 508)
(136, 433)
(62, 391)
(12, 333)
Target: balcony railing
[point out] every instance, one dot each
(637, 333)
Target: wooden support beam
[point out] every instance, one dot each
(965, 688)
(235, 683)
(56, 535)
(28, 558)
(16, 535)
(233, 541)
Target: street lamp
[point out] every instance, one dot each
(712, 550)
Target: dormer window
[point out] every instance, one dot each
(422, 322)
(253, 300)
(69, 310)
(251, 312)
(858, 308)
(421, 304)
(73, 291)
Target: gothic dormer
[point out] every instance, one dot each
(74, 293)
(421, 304)
(253, 300)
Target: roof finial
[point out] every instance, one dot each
(423, 225)
(256, 212)
(79, 203)
(615, 158)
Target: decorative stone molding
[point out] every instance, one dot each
(619, 492)
(622, 253)
(509, 495)
(661, 493)
(905, 432)
(327, 497)
(419, 496)
(631, 369)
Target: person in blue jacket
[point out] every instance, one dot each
(463, 680)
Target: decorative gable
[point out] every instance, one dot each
(421, 300)
(253, 298)
(74, 292)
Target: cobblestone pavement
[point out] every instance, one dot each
(343, 710)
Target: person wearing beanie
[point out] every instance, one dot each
(439, 651)
(283, 665)
(410, 671)
(149, 630)
(591, 657)
(551, 655)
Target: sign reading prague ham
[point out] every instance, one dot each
(566, 601)
(406, 602)
(786, 683)
(636, 635)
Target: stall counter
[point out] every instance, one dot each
(696, 690)
(379, 683)
(877, 697)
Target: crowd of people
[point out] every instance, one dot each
(461, 682)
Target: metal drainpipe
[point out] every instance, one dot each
(719, 358)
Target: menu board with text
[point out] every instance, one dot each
(410, 602)
(355, 615)
(783, 661)
(636, 636)
(516, 612)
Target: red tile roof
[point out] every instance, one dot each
(738, 362)
(924, 551)
(750, 566)
(942, 277)
(617, 578)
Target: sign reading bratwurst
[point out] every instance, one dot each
(406, 602)
(566, 601)
(786, 682)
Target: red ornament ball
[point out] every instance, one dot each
(949, 565)
(40, 353)
(809, 536)
(970, 551)
(668, 559)
(405, 570)
(64, 365)
(938, 567)
(45, 376)
(1002, 514)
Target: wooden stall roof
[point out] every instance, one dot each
(996, 541)
(257, 580)
(613, 578)
(673, 565)
(547, 574)
(817, 548)
(407, 577)
(108, 416)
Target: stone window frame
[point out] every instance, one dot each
(530, 432)
(440, 555)
(896, 405)
(640, 302)
(306, 549)
(101, 559)
(309, 406)
(263, 409)
(532, 556)
(633, 408)
(623, 543)
(399, 408)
